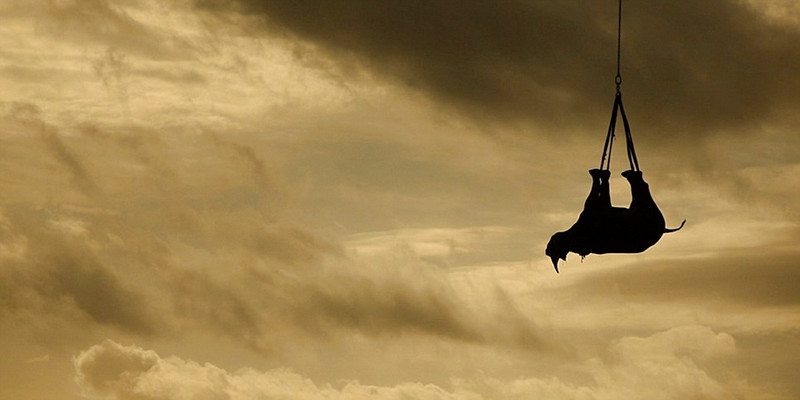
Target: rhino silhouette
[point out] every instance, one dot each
(602, 228)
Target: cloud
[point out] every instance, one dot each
(109, 23)
(102, 367)
(260, 168)
(204, 235)
(70, 160)
(113, 371)
(752, 278)
(443, 246)
(113, 70)
(688, 68)
(27, 116)
(53, 270)
(389, 307)
(665, 365)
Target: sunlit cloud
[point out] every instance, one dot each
(663, 366)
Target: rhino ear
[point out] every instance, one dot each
(555, 262)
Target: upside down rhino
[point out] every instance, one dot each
(602, 229)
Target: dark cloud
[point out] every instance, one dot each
(173, 76)
(27, 117)
(760, 278)
(208, 301)
(369, 306)
(393, 301)
(249, 156)
(56, 268)
(70, 160)
(113, 69)
(688, 67)
(290, 245)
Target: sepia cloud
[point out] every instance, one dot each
(110, 24)
(665, 365)
(217, 246)
(689, 68)
(27, 118)
(66, 283)
(398, 294)
(745, 278)
(349, 200)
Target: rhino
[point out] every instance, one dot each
(602, 228)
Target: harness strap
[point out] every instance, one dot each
(605, 161)
(634, 162)
(610, 136)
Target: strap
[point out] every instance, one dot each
(634, 162)
(605, 163)
(610, 136)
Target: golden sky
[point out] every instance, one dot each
(258, 199)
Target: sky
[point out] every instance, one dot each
(242, 199)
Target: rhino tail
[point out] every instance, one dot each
(670, 230)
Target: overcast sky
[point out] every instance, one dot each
(255, 199)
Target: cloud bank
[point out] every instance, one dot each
(689, 68)
(666, 365)
(147, 247)
(283, 191)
